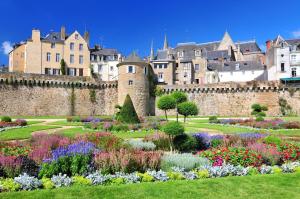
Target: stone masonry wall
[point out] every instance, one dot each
(235, 99)
(22, 95)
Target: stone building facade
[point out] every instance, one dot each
(42, 55)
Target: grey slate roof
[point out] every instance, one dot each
(53, 37)
(104, 51)
(293, 41)
(231, 66)
(133, 57)
(212, 55)
(249, 47)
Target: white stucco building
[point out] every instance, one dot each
(104, 63)
(283, 58)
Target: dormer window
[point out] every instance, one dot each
(197, 53)
(76, 36)
(180, 54)
(52, 45)
(237, 66)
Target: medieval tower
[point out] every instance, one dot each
(134, 79)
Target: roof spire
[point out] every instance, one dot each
(151, 51)
(166, 43)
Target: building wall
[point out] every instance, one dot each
(46, 48)
(239, 76)
(106, 74)
(236, 99)
(17, 59)
(33, 54)
(49, 95)
(168, 73)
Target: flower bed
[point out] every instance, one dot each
(6, 125)
(265, 124)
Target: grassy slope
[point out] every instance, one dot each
(23, 133)
(250, 187)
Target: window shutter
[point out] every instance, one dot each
(133, 69)
(127, 69)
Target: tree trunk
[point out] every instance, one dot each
(184, 118)
(176, 114)
(170, 142)
(166, 115)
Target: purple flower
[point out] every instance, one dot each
(251, 135)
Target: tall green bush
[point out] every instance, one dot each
(187, 108)
(179, 97)
(172, 129)
(63, 67)
(259, 111)
(127, 113)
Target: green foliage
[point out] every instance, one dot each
(258, 110)
(80, 180)
(175, 175)
(93, 95)
(185, 143)
(145, 177)
(187, 108)
(203, 173)
(47, 183)
(117, 181)
(179, 96)
(165, 103)
(276, 170)
(259, 119)
(173, 128)
(63, 67)
(9, 184)
(216, 142)
(72, 101)
(5, 119)
(253, 171)
(271, 139)
(158, 91)
(285, 108)
(119, 127)
(127, 113)
(213, 119)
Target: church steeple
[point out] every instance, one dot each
(151, 51)
(226, 42)
(166, 46)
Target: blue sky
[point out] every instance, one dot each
(133, 24)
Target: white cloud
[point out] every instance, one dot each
(6, 47)
(296, 33)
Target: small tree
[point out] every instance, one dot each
(166, 102)
(63, 67)
(172, 129)
(127, 113)
(258, 111)
(187, 108)
(179, 98)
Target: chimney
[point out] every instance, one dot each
(268, 44)
(36, 35)
(86, 37)
(62, 33)
(97, 47)
(229, 51)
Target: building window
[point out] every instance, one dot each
(176, 77)
(52, 45)
(282, 67)
(294, 72)
(160, 66)
(130, 69)
(185, 74)
(80, 71)
(165, 65)
(160, 77)
(237, 66)
(57, 57)
(293, 57)
(47, 71)
(282, 55)
(145, 70)
(197, 67)
(56, 71)
(180, 54)
(72, 71)
(80, 59)
(71, 59)
(76, 36)
(99, 68)
(197, 81)
(130, 82)
(111, 68)
(197, 53)
(72, 46)
(48, 57)
(155, 66)
(81, 47)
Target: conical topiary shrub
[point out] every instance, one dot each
(127, 113)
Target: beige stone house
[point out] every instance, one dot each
(43, 55)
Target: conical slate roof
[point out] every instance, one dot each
(133, 57)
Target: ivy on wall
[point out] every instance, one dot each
(72, 101)
(93, 95)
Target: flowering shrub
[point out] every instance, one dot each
(186, 161)
(270, 154)
(21, 122)
(49, 141)
(242, 139)
(234, 155)
(290, 152)
(127, 161)
(15, 149)
(10, 166)
(160, 140)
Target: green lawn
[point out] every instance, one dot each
(23, 133)
(73, 131)
(135, 134)
(251, 187)
(65, 123)
(34, 122)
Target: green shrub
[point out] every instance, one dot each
(172, 129)
(119, 127)
(185, 143)
(47, 183)
(145, 177)
(259, 119)
(276, 170)
(175, 175)
(213, 119)
(203, 173)
(215, 143)
(297, 169)
(258, 111)
(187, 108)
(165, 103)
(5, 119)
(117, 181)
(271, 139)
(179, 98)
(80, 180)
(253, 171)
(127, 113)
(9, 184)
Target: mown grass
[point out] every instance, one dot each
(251, 187)
(65, 123)
(23, 133)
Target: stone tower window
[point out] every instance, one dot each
(145, 70)
(130, 82)
(130, 69)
